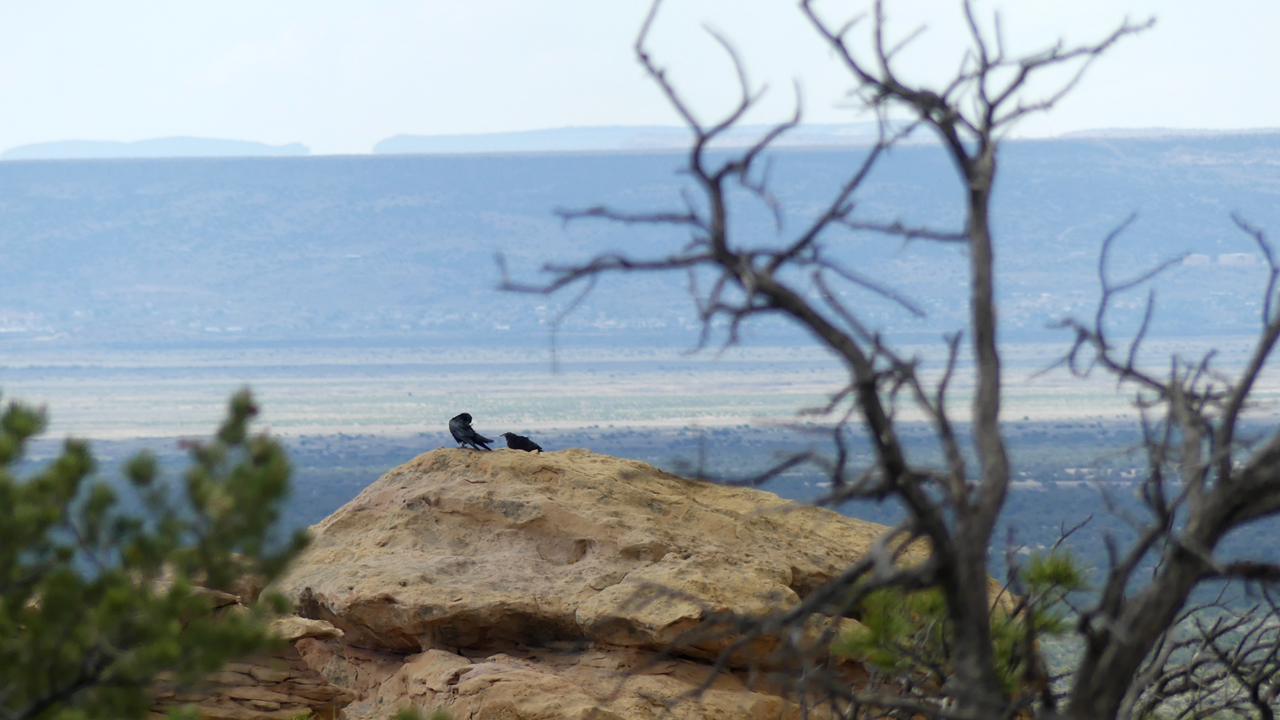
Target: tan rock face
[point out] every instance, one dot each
(458, 548)
(275, 686)
(544, 587)
(593, 683)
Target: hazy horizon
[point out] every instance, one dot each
(339, 78)
(604, 138)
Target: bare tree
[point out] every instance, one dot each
(1217, 660)
(1201, 483)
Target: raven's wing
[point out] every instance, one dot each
(458, 430)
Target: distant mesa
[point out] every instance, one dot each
(622, 138)
(664, 138)
(1160, 132)
(173, 147)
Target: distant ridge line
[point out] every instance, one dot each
(170, 147)
(637, 138)
(664, 138)
(1160, 133)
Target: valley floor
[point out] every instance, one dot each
(122, 394)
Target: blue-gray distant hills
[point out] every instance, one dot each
(399, 249)
(172, 147)
(620, 139)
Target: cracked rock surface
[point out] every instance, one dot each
(531, 583)
(278, 685)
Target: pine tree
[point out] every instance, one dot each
(97, 599)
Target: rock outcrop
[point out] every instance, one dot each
(275, 686)
(528, 586)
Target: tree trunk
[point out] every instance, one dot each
(1104, 674)
(976, 686)
(974, 683)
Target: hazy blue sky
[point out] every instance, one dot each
(339, 76)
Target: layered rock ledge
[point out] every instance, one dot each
(276, 686)
(517, 585)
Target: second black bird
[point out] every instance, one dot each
(460, 428)
(520, 442)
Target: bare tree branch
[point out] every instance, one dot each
(1201, 481)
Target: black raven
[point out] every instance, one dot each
(460, 428)
(520, 442)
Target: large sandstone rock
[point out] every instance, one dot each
(458, 549)
(513, 586)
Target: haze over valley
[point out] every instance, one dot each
(400, 249)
